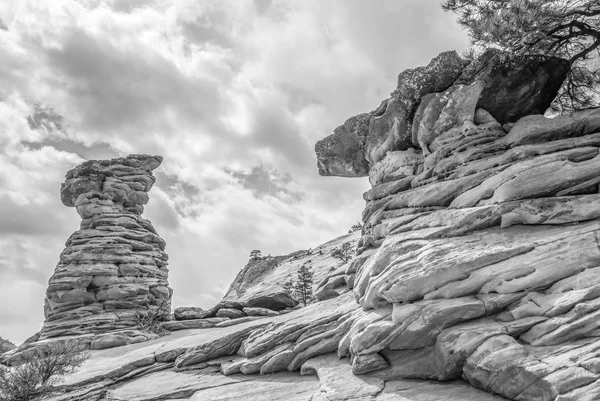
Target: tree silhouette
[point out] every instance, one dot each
(255, 254)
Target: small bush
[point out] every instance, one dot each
(356, 227)
(36, 371)
(150, 318)
(344, 253)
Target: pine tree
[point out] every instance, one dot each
(344, 253)
(355, 227)
(303, 286)
(565, 28)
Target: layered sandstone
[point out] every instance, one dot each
(477, 271)
(480, 256)
(115, 265)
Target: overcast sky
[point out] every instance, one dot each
(233, 94)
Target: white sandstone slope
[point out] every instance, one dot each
(264, 277)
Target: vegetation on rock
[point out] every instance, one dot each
(344, 253)
(355, 227)
(150, 318)
(567, 29)
(34, 373)
(301, 289)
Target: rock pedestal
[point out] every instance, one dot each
(114, 266)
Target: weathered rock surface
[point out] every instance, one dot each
(255, 311)
(188, 365)
(187, 313)
(6, 346)
(480, 254)
(477, 274)
(115, 265)
(260, 283)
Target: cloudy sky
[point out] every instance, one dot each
(232, 93)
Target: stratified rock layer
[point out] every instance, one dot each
(480, 255)
(114, 266)
(478, 266)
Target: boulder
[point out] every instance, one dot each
(515, 85)
(274, 302)
(225, 304)
(363, 364)
(188, 313)
(230, 313)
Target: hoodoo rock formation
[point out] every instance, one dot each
(115, 264)
(476, 275)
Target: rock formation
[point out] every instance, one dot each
(6, 346)
(260, 282)
(480, 256)
(257, 291)
(114, 266)
(477, 271)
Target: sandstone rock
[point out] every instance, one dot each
(115, 265)
(187, 313)
(363, 140)
(231, 322)
(254, 311)
(338, 381)
(479, 253)
(326, 293)
(193, 324)
(260, 282)
(275, 302)
(447, 94)
(230, 313)
(227, 305)
(118, 339)
(515, 86)
(368, 363)
(6, 346)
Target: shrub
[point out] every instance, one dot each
(150, 318)
(34, 373)
(344, 253)
(356, 227)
